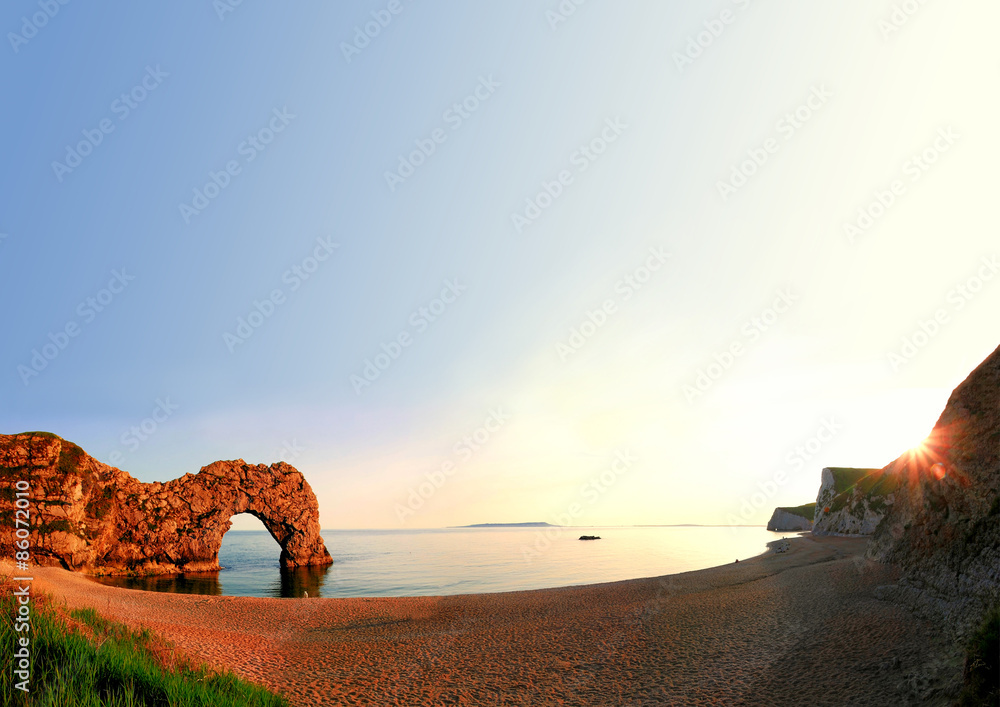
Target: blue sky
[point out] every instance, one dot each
(458, 262)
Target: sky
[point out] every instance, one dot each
(576, 262)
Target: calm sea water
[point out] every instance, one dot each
(463, 560)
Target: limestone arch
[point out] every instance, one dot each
(277, 495)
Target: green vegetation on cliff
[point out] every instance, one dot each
(982, 664)
(807, 510)
(70, 458)
(872, 485)
(844, 477)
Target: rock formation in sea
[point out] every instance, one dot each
(791, 519)
(88, 516)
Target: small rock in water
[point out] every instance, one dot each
(590, 537)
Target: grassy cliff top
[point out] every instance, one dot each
(871, 486)
(844, 477)
(807, 510)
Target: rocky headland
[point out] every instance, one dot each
(792, 519)
(934, 511)
(943, 528)
(91, 517)
(933, 514)
(852, 501)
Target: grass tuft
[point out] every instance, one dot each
(982, 664)
(85, 660)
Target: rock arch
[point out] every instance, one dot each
(277, 495)
(93, 517)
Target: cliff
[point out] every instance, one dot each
(852, 501)
(944, 528)
(788, 519)
(88, 516)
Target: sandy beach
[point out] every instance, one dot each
(798, 628)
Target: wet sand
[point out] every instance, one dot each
(797, 628)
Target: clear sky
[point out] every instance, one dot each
(641, 262)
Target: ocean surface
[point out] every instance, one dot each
(389, 563)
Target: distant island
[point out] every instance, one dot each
(507, 525)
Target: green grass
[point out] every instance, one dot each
(84, 660)
(807, 511)
(879, 484)
(873, 484)
(70, 458)
(982, 665)
(845, 477)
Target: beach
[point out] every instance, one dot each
(797, 628)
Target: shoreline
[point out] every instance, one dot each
(747, 632)
(7, 568)
(484, 579)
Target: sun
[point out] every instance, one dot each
(926, 455)
(921, 448)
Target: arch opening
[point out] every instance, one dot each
(251, 557)
(249, 542)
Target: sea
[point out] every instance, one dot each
(430, 562)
